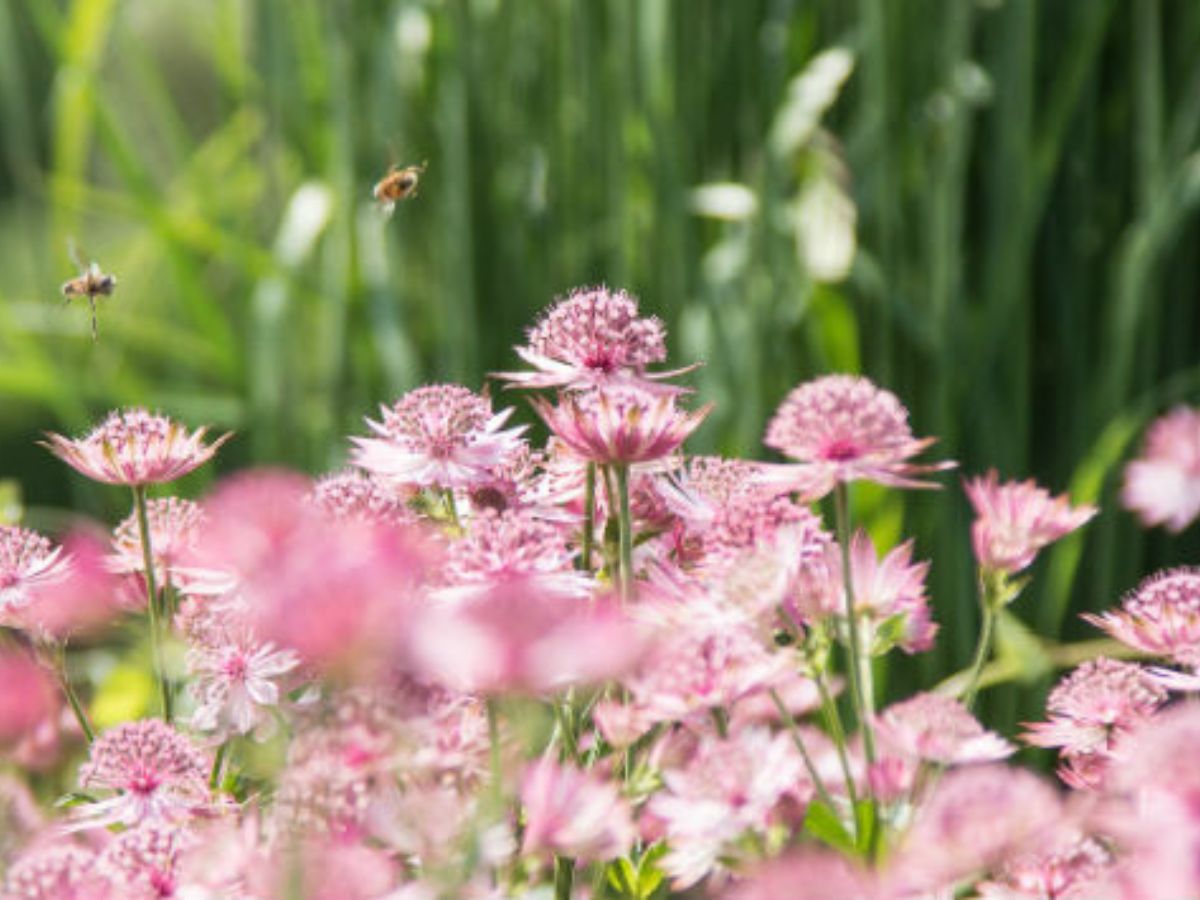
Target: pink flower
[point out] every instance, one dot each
(889, 595)
(843, 428)
(1163, 485)
(1091, 710)
(593, 338)
(355, 494)
(27, 562)
(135, 447)
(520, 637)
(175, 527)
(84, 596)
(809, 875)
(55, 872)
(1161, 616)
(158, 773)
(1016, 520)
(143, 863)
(619, 426)
(441, 435)
(976, 817)
(938, 729)
(574, 814)
(27, 696)
(1072, 872)
(729, 787)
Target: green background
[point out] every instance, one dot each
(1021, 180)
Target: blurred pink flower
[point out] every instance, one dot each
(85, 596)
(889, 595)
(808, 875)
(355, 494)
(27, 696)
(440, 435)
(27, 561)
(135, 447)
(159, 774)
(976, 817)
(56, 872)
(327, 870)
(1062, 873)
(619, 426)
(1090, 711)
(573, 813)
(1161, 616)
(842, 428)
(594, 338)
(521, 637)
(1163, 485)
(143, 863)
(1017, 519)
(938, 729)
(175, 527)
(728, 787)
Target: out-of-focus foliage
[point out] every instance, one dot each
(989, 207)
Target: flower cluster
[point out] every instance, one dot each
(471, 666)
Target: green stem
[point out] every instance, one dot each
(858, 672)
(493, 721)
(72, 698)
(564, 877)
(214, 780)
(798, 740)
(625, 535)
(983, 649)
(589, 515)
(833, 721)
(152, 604)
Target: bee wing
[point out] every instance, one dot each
(73, 252)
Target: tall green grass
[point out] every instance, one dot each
(1026, 177)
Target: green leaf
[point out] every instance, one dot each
(824, 824)
(623, 877)
(864, 816)
(73, 798)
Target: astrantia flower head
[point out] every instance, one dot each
(1163, 485)
(160, 775)
(1091, 710)
(142, 863)
(842, 428)
(352, 494)
(595, 337)
(175, 526)
(573, 813)
(1161, 616)
(1017, 519)
(236, 682)
(27, 561)
(809, 875)
(84, 596)
(135, 447)
(620, 425)
(1061, 873)
(938, 729)
(441, 435)
(27, 696)
(55, 872)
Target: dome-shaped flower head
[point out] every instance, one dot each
(55, 872)
(135, 447)
(1017, 519)
(160, 775)
(1161, 616)
(976, 817)
(620, 426)
(143, 863)
(352, 494)
(1090, 711)
(1163, 484)
(27, 561)
(573, 813)
(440, 435)
(175, 526)
(594, 338)
(842, 428)
(1070, 872)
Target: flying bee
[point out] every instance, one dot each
(90, 283)
(400, 183)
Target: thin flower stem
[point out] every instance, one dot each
(564, 877)
(983, 649)
(152, 603)
(625, 535)
(72, 698)
(493, 721)
(858, 672)
(833, 721)
(214, 780)
(798, 740)
(589, 515)
(452, 508)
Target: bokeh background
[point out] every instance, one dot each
(988, 206)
